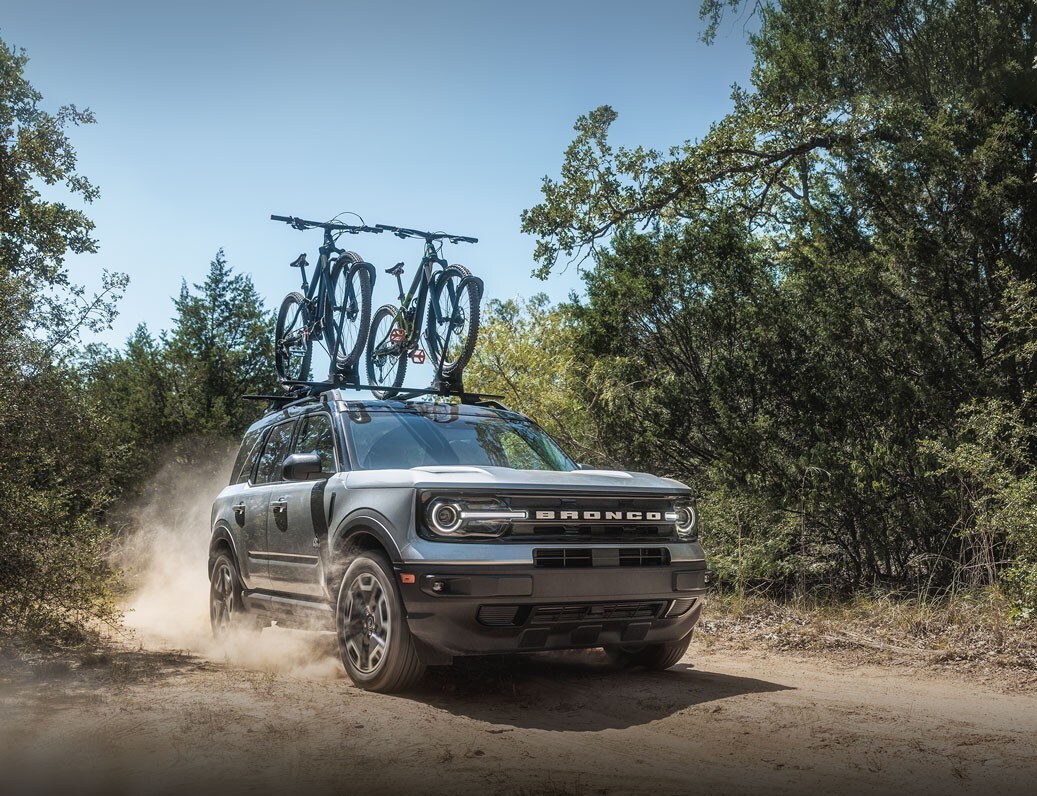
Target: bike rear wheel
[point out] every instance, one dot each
(386, 359)
(453, 319)
(348, 312)
(293, 347)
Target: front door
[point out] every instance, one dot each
(297, 516)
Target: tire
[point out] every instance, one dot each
(375, 644)
(349, 312)
(459, 306)
(226, 609)
(655, 657)
(293, 348)
(386, 361)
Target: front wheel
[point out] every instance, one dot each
(453, 319)
(374, 642)
(386, 358)
(348, 312)
(293, 347)
(656, 657)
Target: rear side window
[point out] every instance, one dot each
(315, 436)
(247, 455)
(274, 453)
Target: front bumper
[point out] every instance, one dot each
(462, 609)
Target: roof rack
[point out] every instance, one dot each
(301, 392)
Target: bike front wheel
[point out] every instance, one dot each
(453, 319)
(348, 312)
(386, 357)
(293, 347)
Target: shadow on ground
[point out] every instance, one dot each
(574, 691)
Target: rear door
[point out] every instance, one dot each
(262, 501)
(247, 510)
(298, 519)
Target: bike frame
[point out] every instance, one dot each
(315, 292)
(419, 290)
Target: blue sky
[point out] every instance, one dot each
(435, 115)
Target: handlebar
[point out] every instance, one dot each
(329, 226)
(404, 232)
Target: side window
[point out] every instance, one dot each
(274, 453)
(247, 455)
(315, 436)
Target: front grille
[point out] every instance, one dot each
(555, 614)
(560, 527)
(563, 557)
(584, 557)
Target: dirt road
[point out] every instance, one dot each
(286, 720)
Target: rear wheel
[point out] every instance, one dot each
(226, 608)
(386, 359)
(453, 319)
(293, 346)
(375, 644)
(650, 656)
(348, 311)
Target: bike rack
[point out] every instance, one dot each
(451, 385)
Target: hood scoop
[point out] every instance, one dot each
(601, 473)
(451, 469)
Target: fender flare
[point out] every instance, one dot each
(367, 521)
(221, 533)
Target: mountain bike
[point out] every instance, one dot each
(334, 309)
(452, 295)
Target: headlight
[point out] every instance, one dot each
(459, 517)
(444, 517)
(686, 521)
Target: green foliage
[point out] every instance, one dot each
(55, 449)
(163, 395)
(526, 354)
(827, 322)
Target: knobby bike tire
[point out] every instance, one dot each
(291, 363)
(381, 353)
(347, 326)
(464, 309)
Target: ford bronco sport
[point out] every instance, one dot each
(419, 531)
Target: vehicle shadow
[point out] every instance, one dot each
(574, 691)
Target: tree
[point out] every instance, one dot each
(526, 354)
(220, 348)
(181, 393)
(55, 451)
(881, 170)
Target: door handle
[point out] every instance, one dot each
(279, 505)
(239, 508)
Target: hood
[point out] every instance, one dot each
(505, 479)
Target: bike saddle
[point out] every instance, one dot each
(396, 270)
(299, 262)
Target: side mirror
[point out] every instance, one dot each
(301, 467)
(583, 466)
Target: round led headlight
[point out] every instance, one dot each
(444, 517)
(687, 522)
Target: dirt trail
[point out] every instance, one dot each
(723, 721)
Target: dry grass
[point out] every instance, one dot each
(970, 631)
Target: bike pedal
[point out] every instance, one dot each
(417, 357)
(397, 335)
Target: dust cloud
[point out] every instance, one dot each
(163, 554)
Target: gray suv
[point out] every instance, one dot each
(418, 531)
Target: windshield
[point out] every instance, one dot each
(421, 435)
